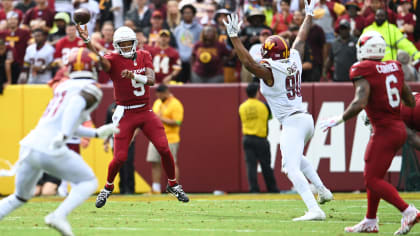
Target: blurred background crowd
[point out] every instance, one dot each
(188, 40)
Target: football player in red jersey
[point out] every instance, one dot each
(132, 74)
(380, 88)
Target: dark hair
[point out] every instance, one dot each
(193, 9)
(44, 32)
(286, 1)
(71, 24)
(252, 89)
(162, 88)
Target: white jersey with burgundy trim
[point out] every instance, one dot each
(285, 96)
(49, 126)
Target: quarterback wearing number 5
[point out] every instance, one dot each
(280, 72)
(380, 89)
(131, 70)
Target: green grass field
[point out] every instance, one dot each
(232, 214)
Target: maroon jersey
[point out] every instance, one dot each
(64, 46)
(3, 14)
(209, 59)
(46, 14)
(17, 40)
(386, 80)
(411, 116)
(410, 19)
(126, 91)
(164, 62)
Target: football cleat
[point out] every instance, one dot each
(311, 215)
(324, 195)
(59, 224)
(178, 192)
(102, 197)
(408, 221)
(364, 226)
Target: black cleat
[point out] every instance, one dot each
(102, 196)
(178, 192)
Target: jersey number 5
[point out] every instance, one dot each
(139, 88)
(392, 92)
(293, 86)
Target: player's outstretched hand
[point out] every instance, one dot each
(84, 34)
(331, 122)
(309, 8)
(233, 25)
(107, 130)
(127, 74)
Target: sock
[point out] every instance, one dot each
(156, 187)
(109, 186)
(302, 187)
(113, 169)
(309, 171)
(172, 182)
(78, 194)
(9, 204)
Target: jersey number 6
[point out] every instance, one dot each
(393, 93)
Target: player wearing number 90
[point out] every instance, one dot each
(379, 89)
(132, 72)
(280, 72)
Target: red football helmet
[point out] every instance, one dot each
(82, 63)
(275, 47)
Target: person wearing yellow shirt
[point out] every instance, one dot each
(171, 112)
(254, 117)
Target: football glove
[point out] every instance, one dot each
(105, 131)
(331, 122)
(309, 8)
(233, 25)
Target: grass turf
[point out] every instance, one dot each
(232, 214)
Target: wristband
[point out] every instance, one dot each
(87, 40)
(140, 78)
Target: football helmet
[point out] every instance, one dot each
(125, 34)
(82, 63)
(371, 45)
(275, 47)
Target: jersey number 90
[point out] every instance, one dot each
(293, 86)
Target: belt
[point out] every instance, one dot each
(134, 106)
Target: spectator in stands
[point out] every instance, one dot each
(370, 8)
(166, 61)
(16, 38)
(140, 15)
(6, 61)
(254, 117)
(42, 12)
(61, 19)
(173, 15)
(357, 22)
(152, 32)
(393, 37)
(105, 12)
(103, 43)
(410, 73)
(25, 5)
(307, 60)
(208, 18)
(47, 185)
(406, 20)
(38, 59)
(160, 5)
(93, 7)
(208, 58)
(64, 45)
(281, 20)
(342, 53)
(8, 7)
(187, 33)
(129, 23)
(255, 50)
(118, 12)
(171, 112)
(250, 5)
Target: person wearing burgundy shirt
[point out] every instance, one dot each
(104, 45)
(281, 20)
(207, 58)
(369, 10)
(406, 20)
(40, 11)
(16, 38)
(357, 22)
(25, 5)
(8, 7)
(6, 60)
(64, 45)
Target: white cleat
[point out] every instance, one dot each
(324, 195)
(59, 224)
(364, 226)
(408, 221)
(311, 215)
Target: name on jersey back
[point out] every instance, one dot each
(387, 68)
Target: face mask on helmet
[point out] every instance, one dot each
(125, 42)
(371, 45)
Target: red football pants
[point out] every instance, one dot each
(381, 149)
(152, 128)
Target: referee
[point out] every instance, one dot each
(254, 117)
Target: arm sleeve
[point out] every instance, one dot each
(83, 131)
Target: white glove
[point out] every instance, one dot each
(309, 8)
(233, 26)
(105, 131)
(58, 141)
(331, 122)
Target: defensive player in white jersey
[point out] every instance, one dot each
(44, 149)
(280, 79)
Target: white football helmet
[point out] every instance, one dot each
(124, 34)
(371, 45)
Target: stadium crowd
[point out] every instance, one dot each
(188, 40)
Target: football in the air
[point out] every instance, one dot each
(81, 16)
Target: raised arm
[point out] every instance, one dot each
(105, 63)
(299, 43)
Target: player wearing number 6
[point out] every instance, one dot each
(131, 70)
(280, 79)
(379, 89)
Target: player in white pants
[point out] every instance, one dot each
(280, 73)
(44, 149)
